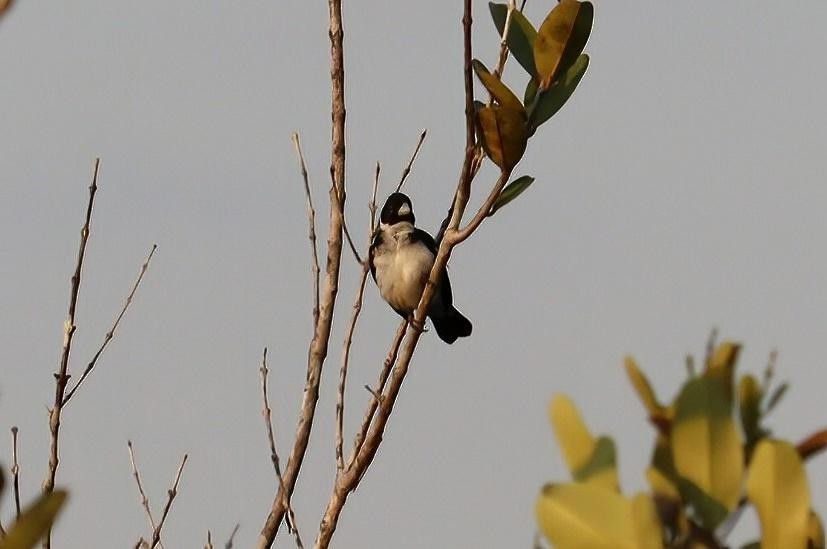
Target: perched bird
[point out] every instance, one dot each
(401, 258)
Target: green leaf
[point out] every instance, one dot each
(530, 94)
(722, 364)
(503, 133)
(561, 39)
(35, 521)
(552, 100)
(749, 402)
(601, 465)
(499, 91)
(521, 35)
(777, 487)
(706, 446)
(707, 509)
(776, 397)
(512, 191)
(583, 515)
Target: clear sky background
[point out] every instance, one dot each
(681, 188)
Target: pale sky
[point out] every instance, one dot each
(681, 188)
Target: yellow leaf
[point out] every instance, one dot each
(646, 522)
(777, 487)
(582, 516)
(706, 445)
(561, 39)
(504, 134)
(590, 460)
(34, 522)
(496, 88)
(661, 484)
(643, 388)
(722, 363)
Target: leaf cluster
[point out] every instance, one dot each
(553, 58)
(713, 455)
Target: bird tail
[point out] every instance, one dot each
(451, 326)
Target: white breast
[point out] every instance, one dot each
(402, 270)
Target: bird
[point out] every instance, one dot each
(401, 257)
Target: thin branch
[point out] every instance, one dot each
(156, 533)
(380, 386)
(274, 456)
(357, 308)
(341, 204)
(141, 492)
(15, 471)
(483, 211)
(407, 169)
(111, 333)
(311, 221)
(209, 545)
(503, 57)
(229, 544)
(321, 336)
(62, 375)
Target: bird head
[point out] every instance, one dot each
(397, 208)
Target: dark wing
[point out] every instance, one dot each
(445, 286)
(377, 241)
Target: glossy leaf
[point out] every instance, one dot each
(589, 460)
(777, 487)
(561, 39)
(499, 91)
(34, 522)
(581, 515)
(521, 35)
(504, 134)
(512, 191)
(552, 100)
(661, 483)
(706, 446)
(646, 522)
(530, 94)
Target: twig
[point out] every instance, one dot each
(156, 533)
(321, 336)
(407, 169)
(274, 456)
(229, 544)
(15, 471)
(710, 346)
(209, 541)
(341, 205)
(380, 386)
(498, 71)
(62, 375)
(357, 308)
(311, 221)
(111, 333)
(144, 498)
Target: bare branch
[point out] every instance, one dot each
(141, 492)
(321, 336)
(311, 221)
(357, 308)
(340, 204)
(229, 544)
(111, 333)
(156, 533)
(498, 71)
(274, 457)
(407, 169)
(209, 541)
(380, 386)
(62, 375)
(15, 471)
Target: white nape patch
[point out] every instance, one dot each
(404, 209)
